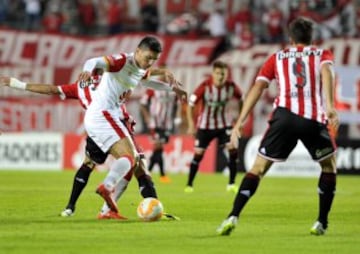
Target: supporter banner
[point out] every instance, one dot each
(300, 162)
(40, 115)
(178, 153)
(61, 51)
(31, 151)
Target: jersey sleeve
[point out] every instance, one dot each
(115, 62)
(197, 94)
(327, 57)
(267, 72)
(69, 91)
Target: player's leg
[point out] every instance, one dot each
(326, 190)
(321, 146)
(224, 140)
(125, 156)
(203, 139)
(80, 181)
(276, 145)
(94, 155)
(119, 189)
(146, 185)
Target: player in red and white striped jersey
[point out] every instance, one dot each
(214, 121)
(304, 75)
(160, 110)
(83, 91)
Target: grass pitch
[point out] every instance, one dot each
(277, 219)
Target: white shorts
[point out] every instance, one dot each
(105, 128)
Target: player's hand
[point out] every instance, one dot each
(4, 81)
(182, 94)
(84, 76)
(236, 133)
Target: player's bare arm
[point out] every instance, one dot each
(327, 76)
(40, 88)
(166, 74)
(190, 119)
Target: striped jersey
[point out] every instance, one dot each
(84, 91)
(297, 74)
(81, 90)
(214, 112)
(162, 108)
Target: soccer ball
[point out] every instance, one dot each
(150, 209)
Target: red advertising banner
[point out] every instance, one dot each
(44, 114)
(178, 153)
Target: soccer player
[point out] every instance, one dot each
(304, 74)
(214, 120)
(83, 91)
(122, 73)
(160, 110)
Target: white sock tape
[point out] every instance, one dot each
(15, 83)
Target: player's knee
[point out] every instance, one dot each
(198, 157)
(89, 163)
(328, 165)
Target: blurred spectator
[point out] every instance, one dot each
(87, 16)
(238, 19)
(215, 24)
(149, 16)
(3, 10)
(32, 14)
(183, 24)
(71, 19)
(357, 18)
(114, 14)
(274, 22)
(245, 39)
(52, 22)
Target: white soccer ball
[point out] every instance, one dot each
(150, 209)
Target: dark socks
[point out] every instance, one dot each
(247, 188)
(232, 165)
(157, 158)
(80, 180)
(326, 188)
(146, 187)
(194, 166)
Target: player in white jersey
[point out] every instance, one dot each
(122, 73)
(303, 74)
(83, 91)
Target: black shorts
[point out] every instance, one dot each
(205, 136)
(284, 131)
(94, 152)
(161, 135)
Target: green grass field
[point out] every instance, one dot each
(277, 219)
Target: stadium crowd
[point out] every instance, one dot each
(242, 25)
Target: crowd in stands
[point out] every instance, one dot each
(257, 21)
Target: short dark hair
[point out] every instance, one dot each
(301, 30)
(152, 43)
(219, 64)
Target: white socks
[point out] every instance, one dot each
(118, 170)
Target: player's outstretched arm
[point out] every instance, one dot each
(31, 87)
